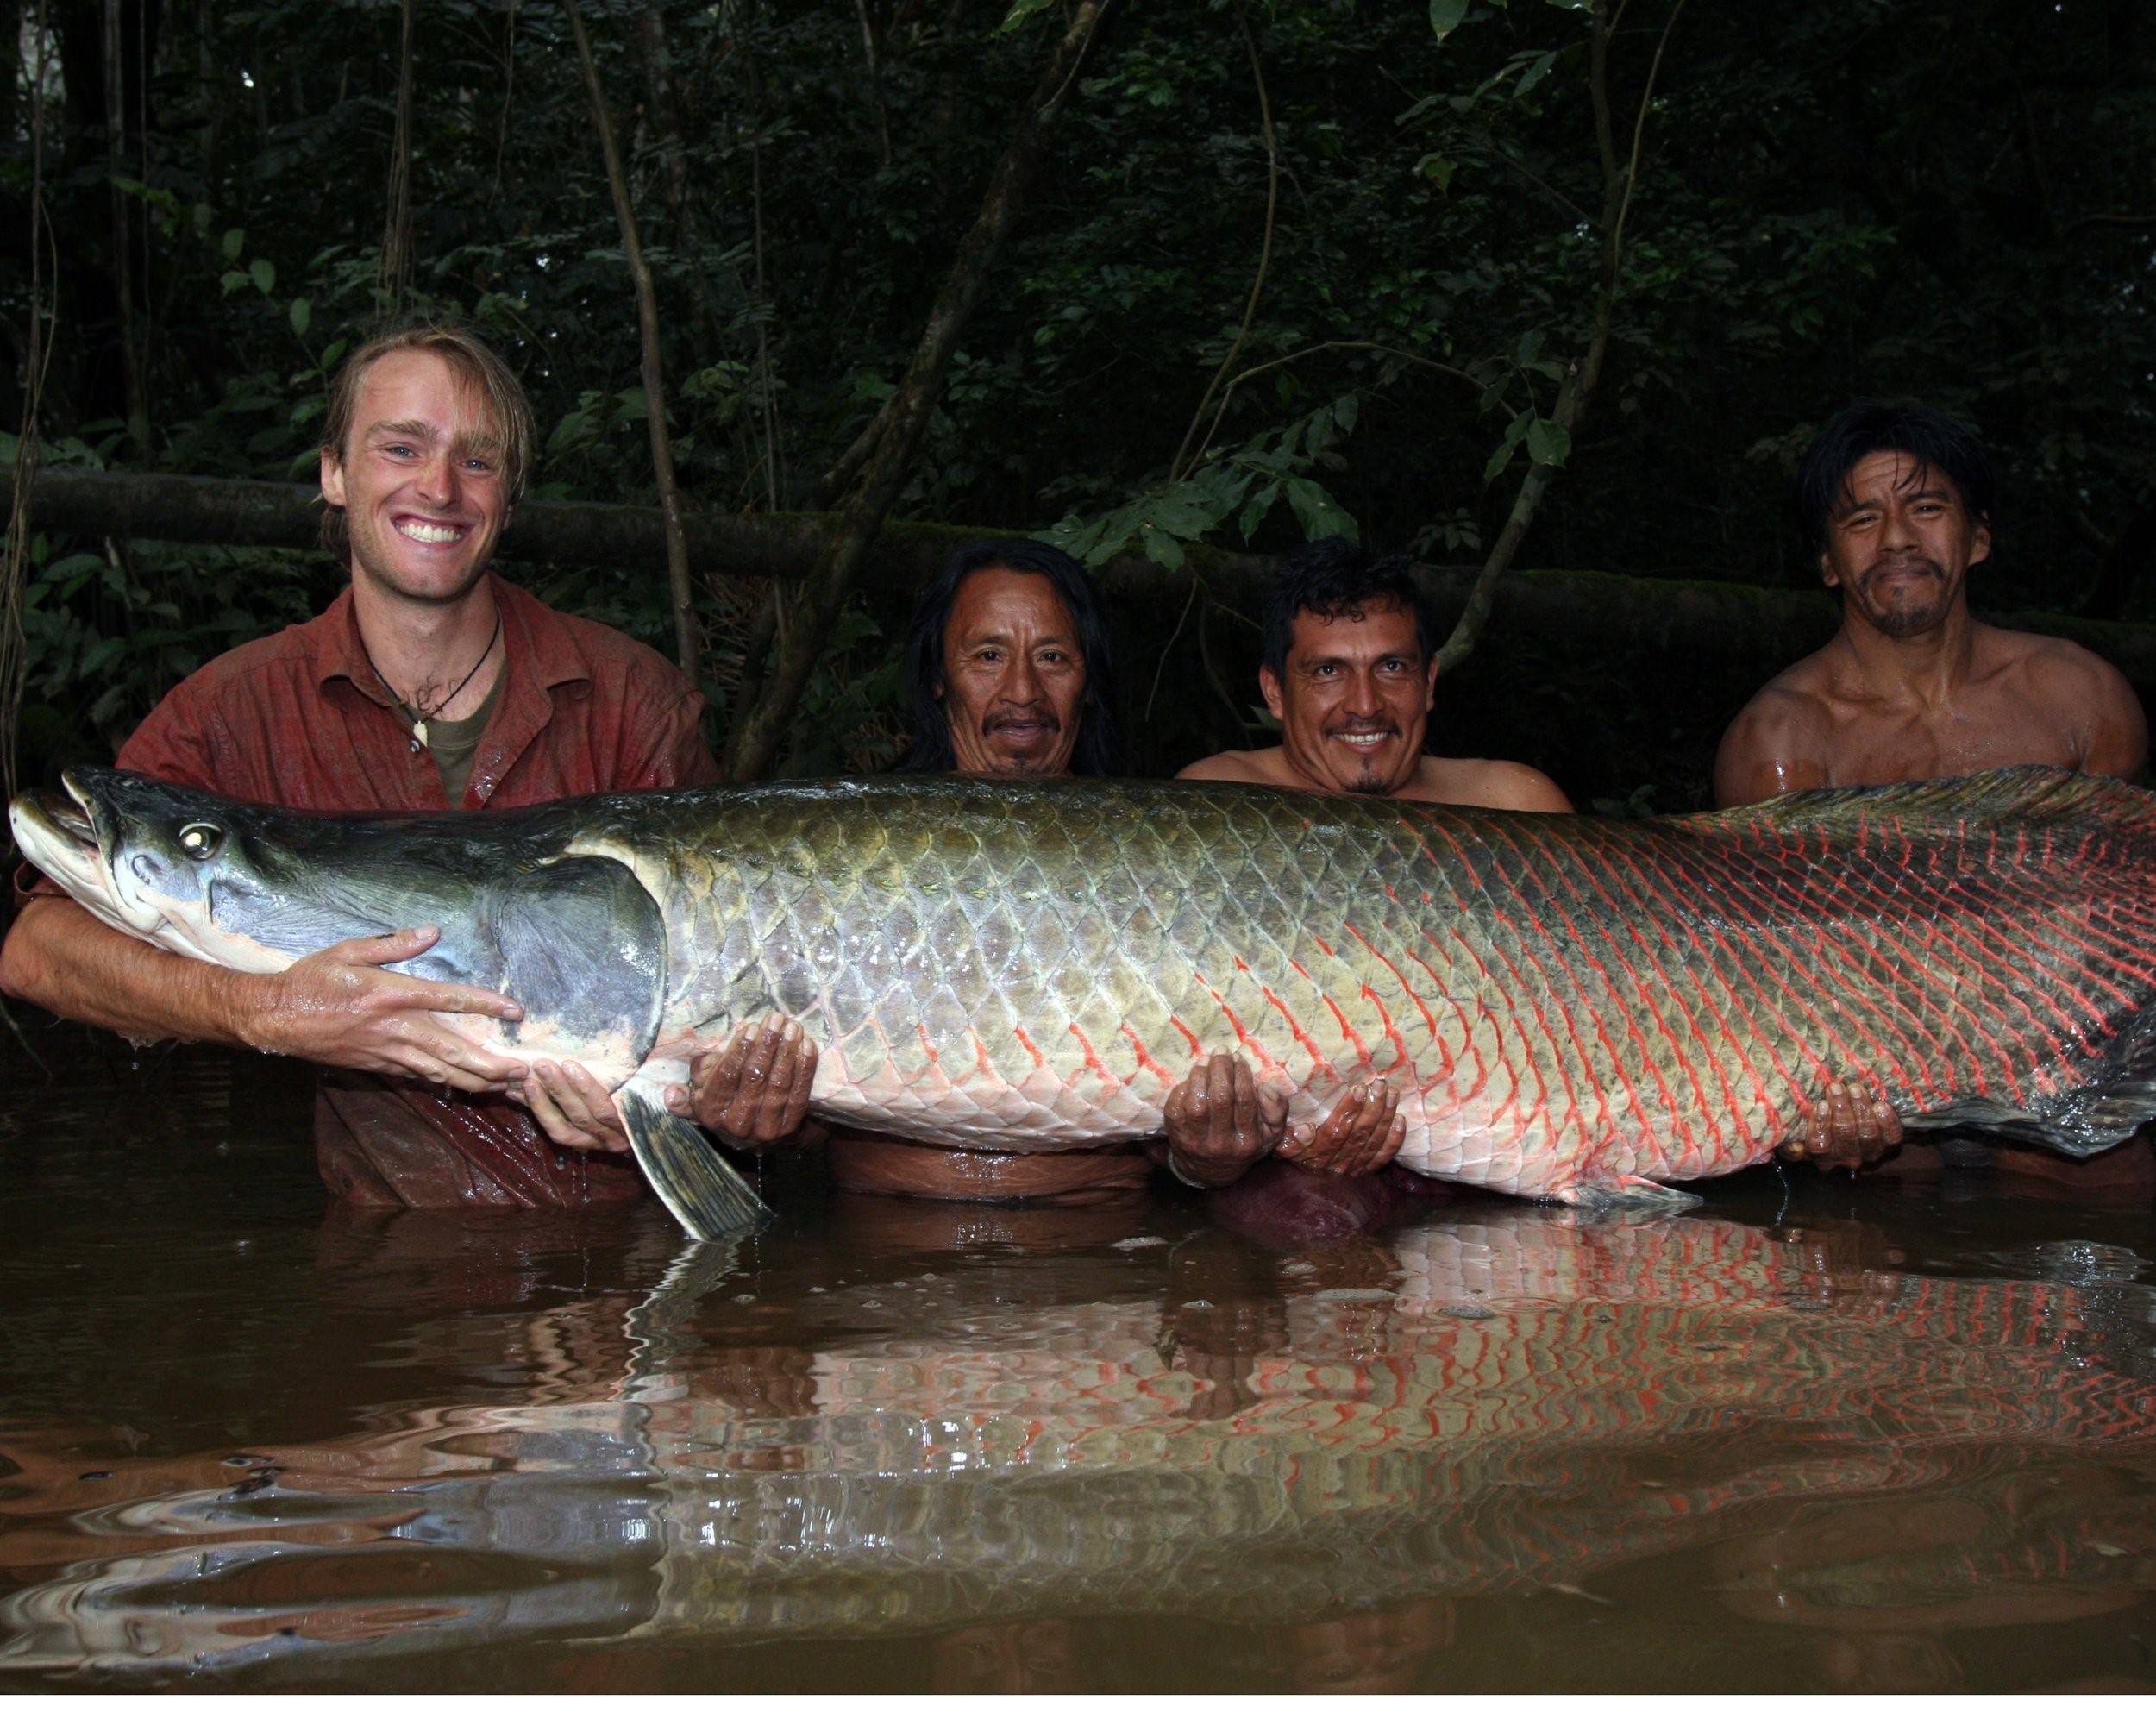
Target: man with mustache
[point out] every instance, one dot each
(1351, 672)
(1895, 499)
(1009, 670)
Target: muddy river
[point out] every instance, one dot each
(1819, 1434)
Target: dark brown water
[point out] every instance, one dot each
(1820, 1435)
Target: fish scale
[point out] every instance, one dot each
(1572, 1007)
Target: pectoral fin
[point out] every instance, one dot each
(580, 945)
(691, 1178)
(1603, 1193)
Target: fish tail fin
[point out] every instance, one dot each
(2108, 1105)
(702, 1189)
(1601, 1194)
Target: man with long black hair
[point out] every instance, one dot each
(1009, 668)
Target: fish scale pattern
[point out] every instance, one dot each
(1571, 1007)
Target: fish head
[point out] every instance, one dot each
(155, 860)
(246, 886)
(574, 939)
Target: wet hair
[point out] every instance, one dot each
(1095, 754)
(474, 363)
(1935, 440)
(1330, 577)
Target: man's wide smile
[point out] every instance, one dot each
(429, 532)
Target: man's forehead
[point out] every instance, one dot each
(1370, 624)
(993, 602)
(1897, 470)
(421, 394)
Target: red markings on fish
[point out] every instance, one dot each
(1146, 1063)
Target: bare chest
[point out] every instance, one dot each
(1878, 745)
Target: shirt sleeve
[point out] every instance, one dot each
(671, 754)
(172, 743)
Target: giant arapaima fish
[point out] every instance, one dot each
(1573, 1008)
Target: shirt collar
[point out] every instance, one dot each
(540, 651)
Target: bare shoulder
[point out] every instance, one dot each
(2085, 694)
(1237, 766)
(1510, 784)
(1779, 739)
(2055, 664)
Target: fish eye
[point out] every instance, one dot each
(200, 840)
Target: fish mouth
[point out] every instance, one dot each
(66, 838)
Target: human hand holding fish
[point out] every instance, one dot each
(574, 1108)
(341, 1006)
(753, 1089)
(1843, 1129)
(1365, 1132)
(1220, 1120)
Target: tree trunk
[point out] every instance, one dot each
(687, 650)
(757, 731)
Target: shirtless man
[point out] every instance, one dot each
(1895, 502)
(1351, 672)
(1008, 672)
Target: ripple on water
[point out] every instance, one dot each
(1500, 1449)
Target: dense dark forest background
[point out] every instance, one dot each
(1182, 279)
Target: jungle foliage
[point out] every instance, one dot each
(1286, 266)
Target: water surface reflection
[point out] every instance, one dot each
(1880, 1442)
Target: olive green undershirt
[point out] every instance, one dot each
(452, 743)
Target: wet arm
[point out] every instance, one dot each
(1766, 752)
(2118, 729)
(338, 1007)
(60, 958)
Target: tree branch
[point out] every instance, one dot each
(1185, 456)
(37, 357)
(683, 595)
(757, 731)
(1580, 381)
(396, 266)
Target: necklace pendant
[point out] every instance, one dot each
(418, 735)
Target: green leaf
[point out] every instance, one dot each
(1019, 12)
(1159, 548)
(264, 272)
(303, 313)
(1534, 74)
(230, 279)
(1438, 169)
(235, 241)
(1445, 16)
(1548, 442)
(1317, 511)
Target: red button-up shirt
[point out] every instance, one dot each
(302, 719)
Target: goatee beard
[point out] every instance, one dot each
(1909, 619)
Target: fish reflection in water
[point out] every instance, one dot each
(1009, 1436)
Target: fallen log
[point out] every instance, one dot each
(1630, 616)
